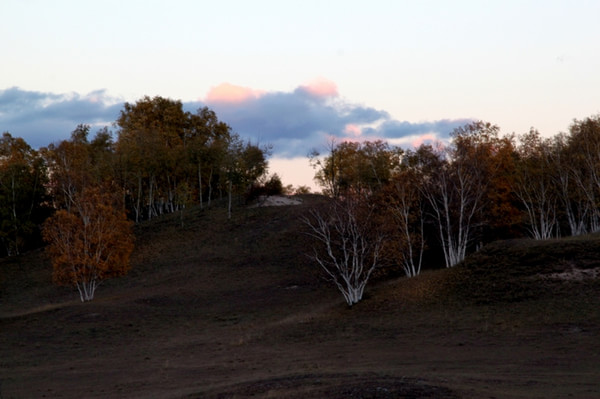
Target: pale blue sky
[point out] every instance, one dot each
(402, 68)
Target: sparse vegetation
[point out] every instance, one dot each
(235, 308)
(238, 289)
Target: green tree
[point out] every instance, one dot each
(244, 164)
(206, 141)
(150, 147)
(165, 152)
(355, 168)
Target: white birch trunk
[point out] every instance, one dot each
(349, 255)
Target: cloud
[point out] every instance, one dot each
(228, 93)
(305, 118)
(320, 87)
(43, 118)
(294, 122)
(353, 130)
(415, 133)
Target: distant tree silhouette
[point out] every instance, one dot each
(23, 198)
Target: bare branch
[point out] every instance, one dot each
(347, 246)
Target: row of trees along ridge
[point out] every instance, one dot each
(440, 202)
(394, 206)
(163, 160)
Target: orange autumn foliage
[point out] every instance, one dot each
(90, 243)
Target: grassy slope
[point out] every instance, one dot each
(235, 307)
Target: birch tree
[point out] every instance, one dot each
(575, 191)
(454, 198)
(584, 155)
(206, 141)
(166, 153)
(70, 167)
(327, 170)
(150, 144)
(89, 243)
(406, 206)
(456, 184)
(244, 164)
(347, 245)
(355, 168)
(535, 185)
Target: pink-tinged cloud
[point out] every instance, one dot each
(353, 130)
(228, 93)
(429, 137)
(295, 122)
(321, 87)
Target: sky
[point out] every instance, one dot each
(297, 74)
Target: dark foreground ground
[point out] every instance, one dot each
(234, 310)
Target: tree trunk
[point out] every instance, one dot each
(200, 186)
(14, 215)
(87, 289)
(210, 175)
(138, 200)
(230, 189)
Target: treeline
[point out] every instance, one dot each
(161, 160)
(442, 202)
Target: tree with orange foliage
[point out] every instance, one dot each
(90, 242)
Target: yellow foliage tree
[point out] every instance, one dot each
(89, 243)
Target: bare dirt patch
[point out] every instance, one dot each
(277, 200)
(574, 274)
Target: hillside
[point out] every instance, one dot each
(234, 309)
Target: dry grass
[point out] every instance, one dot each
(221, 308)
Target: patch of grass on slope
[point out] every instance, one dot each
(515, 270)
(175, 250)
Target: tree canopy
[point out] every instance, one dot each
(23, 207)
(85, 189)
(90, 242)
(447, 200)
(433, 204)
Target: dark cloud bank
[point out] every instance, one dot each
(42, 118)
(293, 122)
